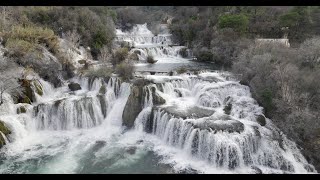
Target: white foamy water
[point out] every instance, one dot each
(145, 43)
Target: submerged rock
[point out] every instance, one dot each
(131, 150)
(74, 86)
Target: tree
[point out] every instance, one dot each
(9, 74)
(238, 22)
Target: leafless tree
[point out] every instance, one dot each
(73, 37)
(104, 54)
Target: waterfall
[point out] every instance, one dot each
(145, 43)
(204, 123)
(194, 120)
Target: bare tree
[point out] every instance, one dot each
(9, 74)
(104, 54)
(310, 51)
(73, 37)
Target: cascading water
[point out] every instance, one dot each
(145, 43)
(195, 123)
(206, 123)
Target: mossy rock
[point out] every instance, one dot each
(103, 89)
(4, 129)
(21, 109)
(25, 99)
(261, 120)
(28, 93)
(38, 87)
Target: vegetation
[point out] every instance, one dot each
(119, 56)
(125, 70)
(237, 22)
(102, 72)
(181, 70)
(284, 82)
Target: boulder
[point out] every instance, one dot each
(131, 150)
(74, 86)
(261, 120)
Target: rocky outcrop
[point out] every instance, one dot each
(74, 86)
(4, 131)
(134, 103)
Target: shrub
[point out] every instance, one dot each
(267, 100)
(102, 72)
(181, 70)
(19, 48)
(119, 56)
(150, 59)
(205, 56)
(133, 57)
(27, 38)
(125, 70)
